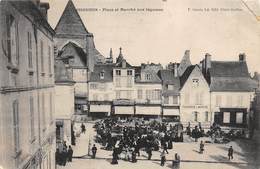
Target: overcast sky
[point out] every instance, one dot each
(163, 36)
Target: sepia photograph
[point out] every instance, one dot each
(129, 84)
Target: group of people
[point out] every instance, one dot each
(63, 154)
(128, 139)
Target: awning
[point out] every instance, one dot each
(80, 101)
(124, 110)
(100, 108)
(148, 110)
(171, 112)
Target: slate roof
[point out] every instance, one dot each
(186, 75)
(106, 68)
(167, 77)
(61, 73)
(154, 77)
(29, 8)
(82, 55)
(70, 22)
(229, 76)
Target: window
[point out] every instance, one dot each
(166, 100)
(12, 40)
(229, 101)
(43, 112)
(118, 82)
(51, 108)
(175, 99)
(148, 76)
(218, 100)
(195, 116)
(49, 59)
(195, 82)
(170, 87)
(239, 117)
(42, 57)
(240, 101)
(129, 94)
(95, 97)
(93, 86)
(117, 94)
(129, 72)
(148, 94)
(16, 126)
(102, 75)
(129, 82)
(32, 119)
(118, 72)
(29, 39)
(139, 94)
(206, 116)
(226, 117)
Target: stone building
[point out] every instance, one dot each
(148, 91)
(230, 91)
(75, 45)
(170, 93)
(64, 103)
(194, 97)
(27, 137)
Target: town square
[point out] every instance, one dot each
(98, 84)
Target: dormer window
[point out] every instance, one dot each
(148, 77)
(195, 82)
(129, 73)
(102, 75)
(118, 72)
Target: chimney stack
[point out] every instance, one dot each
(242, 57)
(44, 6)
(175, 70)
(207, 61)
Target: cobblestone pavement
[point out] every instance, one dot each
(214, 157)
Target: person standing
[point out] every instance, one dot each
(64, 156)
(176, 162)
(201, 147)
(149, 152)
(163, 158)
(230, 153)
(83, 128)
(115, 156)
(70, 154)
(94, 151)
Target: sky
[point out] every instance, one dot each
(223, 28)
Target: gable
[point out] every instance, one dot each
(195, 75)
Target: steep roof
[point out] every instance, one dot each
(186, 75)
(108, 73)
(29, 8)
(167, 77)
(185, 63)
(65, 53)
(70, 21)
(229, 76)
(229, 69)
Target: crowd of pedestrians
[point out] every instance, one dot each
(63, 154)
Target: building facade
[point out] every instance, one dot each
(64, 103)
(27, 86)
(231, 92)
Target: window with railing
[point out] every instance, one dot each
(30, 59)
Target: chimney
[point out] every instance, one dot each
(242, 57)
(207, 61)
(123, 63)
(175, 70)
(44, 6)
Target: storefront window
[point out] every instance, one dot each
(239, 117)
(226, 117)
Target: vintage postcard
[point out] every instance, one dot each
(91, 84)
